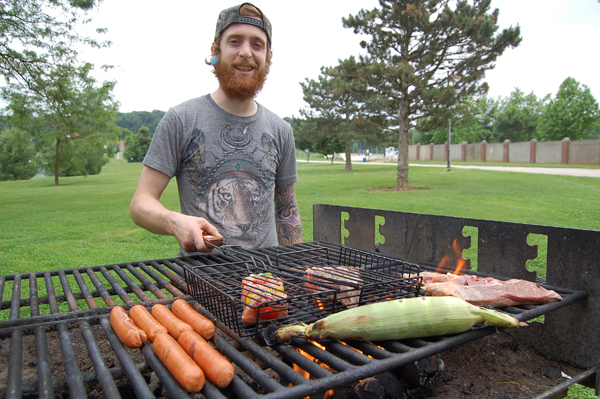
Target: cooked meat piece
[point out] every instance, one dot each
(346, 280)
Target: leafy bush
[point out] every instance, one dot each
(16, 156)
(136, 145)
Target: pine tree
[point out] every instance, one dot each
(425, 57)
(335, 99)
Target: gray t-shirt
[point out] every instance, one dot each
(226, 166)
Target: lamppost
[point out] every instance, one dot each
(449, 130)
(448, 146)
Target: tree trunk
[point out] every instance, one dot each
(402, 176)
(348, 155)
(56, 164)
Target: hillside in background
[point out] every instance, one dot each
(136, 119)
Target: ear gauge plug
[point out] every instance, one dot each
(214, 60)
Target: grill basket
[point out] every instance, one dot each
(314, 284)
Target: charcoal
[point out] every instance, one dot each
(369, 388)
(394, 389)
(421, 376)
(552, 373)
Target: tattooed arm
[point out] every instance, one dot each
(287, 215)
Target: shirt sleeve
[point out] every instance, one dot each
(287, 171)
(164, 153)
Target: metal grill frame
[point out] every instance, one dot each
(164, 278)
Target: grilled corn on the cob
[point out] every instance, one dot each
(399, 319)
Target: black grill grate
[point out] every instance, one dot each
(69, 309)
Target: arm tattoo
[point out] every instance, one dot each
(287, 215)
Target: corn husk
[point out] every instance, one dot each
(400, 319)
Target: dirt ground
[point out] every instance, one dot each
(495, 367)
(499, 367)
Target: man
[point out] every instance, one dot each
(234, 160)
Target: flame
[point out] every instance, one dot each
(306, 374)
(457, 255)
(320, 304)
(328, 394)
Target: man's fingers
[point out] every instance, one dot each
(200, 245)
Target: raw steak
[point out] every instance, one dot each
(344, 279)
(487, 291)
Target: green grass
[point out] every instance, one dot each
(86, 222)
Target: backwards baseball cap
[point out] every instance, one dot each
(232, 16)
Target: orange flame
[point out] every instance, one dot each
(457, 255)
(306, 374)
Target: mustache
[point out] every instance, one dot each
(249, 63)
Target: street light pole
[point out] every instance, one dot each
(448, 147)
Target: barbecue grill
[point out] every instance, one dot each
(61, 317)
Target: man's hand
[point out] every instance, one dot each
(188, 231)
(147, 212)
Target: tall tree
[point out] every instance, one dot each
(424, 57)
(573, 113)
(337, 96)
(37, 35)
(70, 106)
(517, 117)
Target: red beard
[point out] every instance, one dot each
(240, 87)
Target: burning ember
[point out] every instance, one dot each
(415, 380)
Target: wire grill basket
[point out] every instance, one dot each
(316, 283)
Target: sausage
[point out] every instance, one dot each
(165, 317)
(143, 319)
(185, 371)
(184, 311)
(216, 367)
(129, 334)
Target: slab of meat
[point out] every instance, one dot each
(346, 280)
(487, 291)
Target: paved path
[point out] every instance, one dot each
(546, 171)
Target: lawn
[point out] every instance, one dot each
(85, 221)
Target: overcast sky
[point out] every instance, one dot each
(159, 50)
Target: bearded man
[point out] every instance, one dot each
(234, 160)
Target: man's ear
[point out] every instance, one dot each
(270, 57)
(214, 49)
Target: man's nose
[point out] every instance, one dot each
(246, 50)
